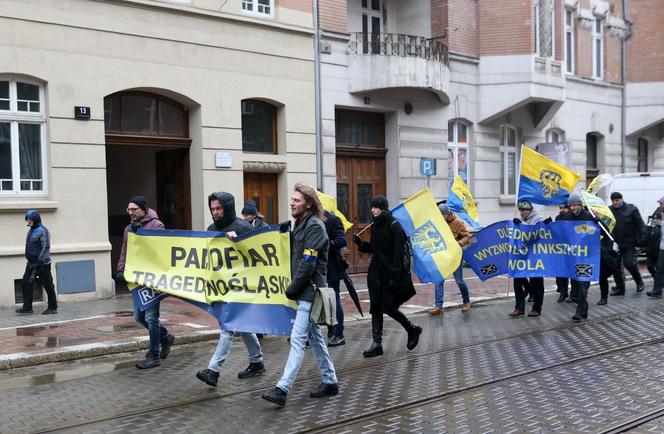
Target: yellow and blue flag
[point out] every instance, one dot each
(543, 180)
(599, 209)
(436, 254)
(330, 204)
(462, 203)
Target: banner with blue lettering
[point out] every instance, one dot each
(560, 249)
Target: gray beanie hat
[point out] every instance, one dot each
(574, 199)
(444, 208)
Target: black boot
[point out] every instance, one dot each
(602, 301)
(413, 336)
(151, 361)
(654, 293)
(166, 344)
(640, 286)
(376, 349)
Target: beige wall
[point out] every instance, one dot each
(83, 51)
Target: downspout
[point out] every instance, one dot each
(623, 101)
(317, 92)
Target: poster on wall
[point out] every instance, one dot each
(560, 152)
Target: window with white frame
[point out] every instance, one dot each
(598, 49)
(642, 155)
(22, 130)
(569, 41)
(544, 20)
(258, 7)
(458, 140)
(509, 156)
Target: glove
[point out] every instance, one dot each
(285, 226)
(134, 225)
(548, 220)
(596, 220)
(516, 221)
(616, 248)
(120, 279)
(357, 240)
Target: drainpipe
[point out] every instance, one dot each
(623, 102)
(319, 153)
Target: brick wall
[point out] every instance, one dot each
(645, 48)
(333, 15)
(507, 29)
(439, 19)
(559, 14)
(462, 22)
(299, 5)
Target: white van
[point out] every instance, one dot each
(640, 189)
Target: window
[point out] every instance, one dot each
(598, 50)
(544, 21)
(22, 131)
(259, 126)
(145, 114)
(509, 160)
(360, 128)
(371, 26)
(458, 147)
(569, 41)
(642, 155)
(258, 7)
(592, 169)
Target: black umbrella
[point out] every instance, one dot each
(349, 285)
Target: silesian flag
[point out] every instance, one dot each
(330, 204)
(436, 254)
(599, 209)
(462, 203)
(543, 180)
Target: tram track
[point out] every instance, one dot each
(393, 409)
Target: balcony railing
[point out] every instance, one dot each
(392, 44)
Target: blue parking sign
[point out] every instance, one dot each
(427, 166)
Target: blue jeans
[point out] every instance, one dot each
(149, 319)
(224, 349)
(303, 328)
(339, 328)
(463, 288)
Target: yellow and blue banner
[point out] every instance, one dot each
(242, 282)
(462, 203)
(330, 204)
(544, 181)
(436, 254)
(599, 209)
(559, 249)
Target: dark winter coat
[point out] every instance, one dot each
(629, 225)
(38, 241)
(229, 222)
(390, 283)
(149, 221)
(584, 215)
(609, 260)
(258, 223)
(309, 246)
(337, 237)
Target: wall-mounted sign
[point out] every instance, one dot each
(427, 166)
(81, 113)
(223, 160)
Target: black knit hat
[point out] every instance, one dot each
(616, 195)
(524, 204)
(140, 201)
(380, 202)
(250, 208)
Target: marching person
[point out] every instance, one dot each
(222, 208)
(335, 268)
(143, 217)
(659, 272)
(462, 236)
(251, 215)
(609, 266)
(37, 252)
(654, 237)
(562, 283)
(389, 279)
(627, 232)
(309, 248)
(530, 217)
(579, 213)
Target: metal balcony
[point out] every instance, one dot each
(393, 44)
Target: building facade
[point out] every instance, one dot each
(101, 101)
(469, 82)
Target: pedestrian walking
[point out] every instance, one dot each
(609, 266)
(532, 285)
(462, 236)
(579, 213)
(659, 271)
(251, 215)
(654, 235)
(335, 268)
(628, 229)
(389, 279)
(562, 283)
(222, 208)
(37, 253)
(309, 250)
(143, 217)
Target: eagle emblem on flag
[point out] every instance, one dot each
(549, 183)
(427, 239)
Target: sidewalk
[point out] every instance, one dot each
(94, 328)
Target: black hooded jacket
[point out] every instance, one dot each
(229, 222)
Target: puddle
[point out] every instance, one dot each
(26, 331)
(115, 328)
(121, 313)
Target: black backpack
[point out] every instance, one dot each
(407, 249)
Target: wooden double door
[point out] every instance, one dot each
(358, 180)
(262, 189)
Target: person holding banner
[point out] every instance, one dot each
(389, 279)
(579, 213)
(524, 285)
(309, 249)
(628, 229)
(222, 208)
(335, 269)
(143, 217)
(462, 236)
(562, 283)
